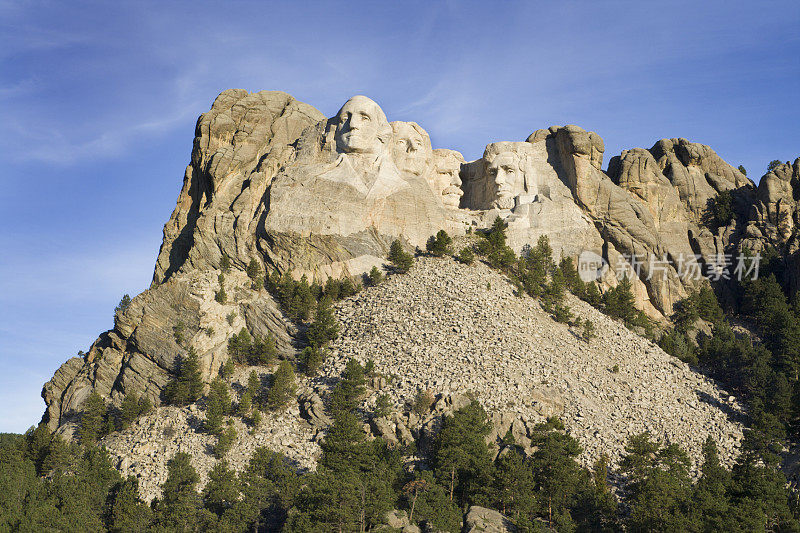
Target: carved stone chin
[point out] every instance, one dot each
(504, 202)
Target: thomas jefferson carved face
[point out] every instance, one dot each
(411, 148)
(361, 127)
(447, 179)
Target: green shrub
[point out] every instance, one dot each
(422, 402)
(374, 278)
(400, 259)
(221, 296)
(678, 345)
(466, 256)
(348, 392)
(562, 314)
(178, 331)
(283, 387)
(225, 442)
(722, 208)
(439, 244)
(589, 332)
(225, 263)
(383, 406)
(311, 359)
(93, 419)
(187, 386)
(123, 305)
(227, 369)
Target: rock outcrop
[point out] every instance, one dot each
(483, 520)
(459, 332)
(272, 180)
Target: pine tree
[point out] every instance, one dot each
(439, 244)
(659, 485)
(302, 300)
(219, 405)
(227, 369)
(178, 508)
(92, 419)
(374, 278)
(225, 442)
(350, 389)
(466, 256)
(513, 488)
(331, 289)
(431, 503)
(225, 263)
(128, 512)
(283, 387)
(187, 387)
(221, 296)
(253, 269)
(123, 305)
(461, 456)
(263, 352)
(400, 259)
(254, 387)
(710, 500)
(222, 489)
(245, 404)
(325, 327)
(131, 409)
(557, 475)
(311, 358)
(383, 406)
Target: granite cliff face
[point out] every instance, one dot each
(273, 180)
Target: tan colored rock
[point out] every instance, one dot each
(483, 520)
(446, 179)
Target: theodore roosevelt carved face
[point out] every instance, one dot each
(446, 177)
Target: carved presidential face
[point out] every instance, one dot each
(508, 180)
(411, 148)
(362, 127)
(447, 179)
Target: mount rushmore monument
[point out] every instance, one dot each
(272, 179)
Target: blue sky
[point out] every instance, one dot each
(99, 102)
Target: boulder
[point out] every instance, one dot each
(483, 520)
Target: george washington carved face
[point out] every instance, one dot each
(361, 127)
